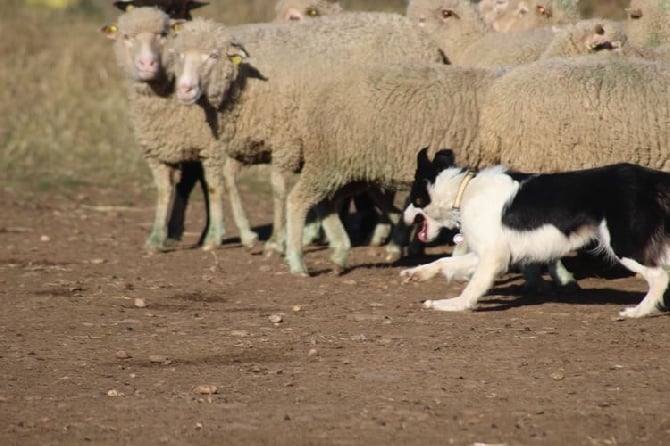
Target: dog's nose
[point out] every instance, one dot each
(418, 219)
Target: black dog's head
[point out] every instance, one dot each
(420, 198)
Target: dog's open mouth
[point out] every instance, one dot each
(423, 229)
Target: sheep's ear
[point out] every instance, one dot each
(124, 6)
(177, 25)
(634, 13)
(544, 11)
(236, 53)
(110, 31)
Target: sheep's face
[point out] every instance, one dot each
(205, 62)
(596, 36)
(518, 15)
(140, 39)
(438, 15)
(299, 11)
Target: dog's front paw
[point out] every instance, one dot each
(453, 304)
(418, 274)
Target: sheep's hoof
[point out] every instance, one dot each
(393, 254)
(338, 270)
(171, 243)
(249, 239)
(209, 247)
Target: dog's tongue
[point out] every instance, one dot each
(423, 232)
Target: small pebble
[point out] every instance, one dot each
(240, 333)
(198, 426)
(114, 393)
(157, 359)
(312, 352)
(45, 238)
(557, 376)
(276, 318)
(296, 308)
(139, 302)
(122, 354)
(97, 261)
(206, 389)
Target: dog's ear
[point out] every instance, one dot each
(424, 167)
(444, 159)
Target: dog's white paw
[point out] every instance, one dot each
(635, 312)
(418, 274)
(453, 304)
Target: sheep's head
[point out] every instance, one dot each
(177, 9)
(206, 60)
(600, 35)
(299, 11)
(140, 37)
(518, 15)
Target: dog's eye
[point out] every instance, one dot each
(419, 202)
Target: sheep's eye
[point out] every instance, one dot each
(214, 55)
(163, 35)
(447, 13)
(312, 12)
(127, 37)
(523, 11)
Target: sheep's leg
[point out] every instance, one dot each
(487, 267)
(337, 236)
(312, 229)
(230, 171)
(300, 199)
(384, 227)
(657, 278)
(560, 274)
(276, 242)
(162, 174)
(191, 173)
(215, 188)
(384, 201)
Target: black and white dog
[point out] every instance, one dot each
(509, 218)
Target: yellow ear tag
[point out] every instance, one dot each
(236, 59)
(129, 7)
(177, 27)
(109, 29)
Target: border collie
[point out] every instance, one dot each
(509, 218)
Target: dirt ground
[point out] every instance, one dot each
(361, 362)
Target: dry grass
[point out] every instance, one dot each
(62, 101)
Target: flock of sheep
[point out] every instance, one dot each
(345, 100)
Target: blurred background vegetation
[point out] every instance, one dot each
(62, 101)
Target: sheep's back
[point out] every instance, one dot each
(564, 114)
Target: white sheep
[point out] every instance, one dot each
(522, 15)
(566, 114)
(590, 37)
(257, 112)
(299, 11)
(459, 30)
(169, 135)
(648, 23)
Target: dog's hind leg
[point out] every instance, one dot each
(657, 278)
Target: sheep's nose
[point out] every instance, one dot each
(186, 88)
(293, 15)
(422, 21)
(148, 63)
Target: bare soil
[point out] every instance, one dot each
(361, 362)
